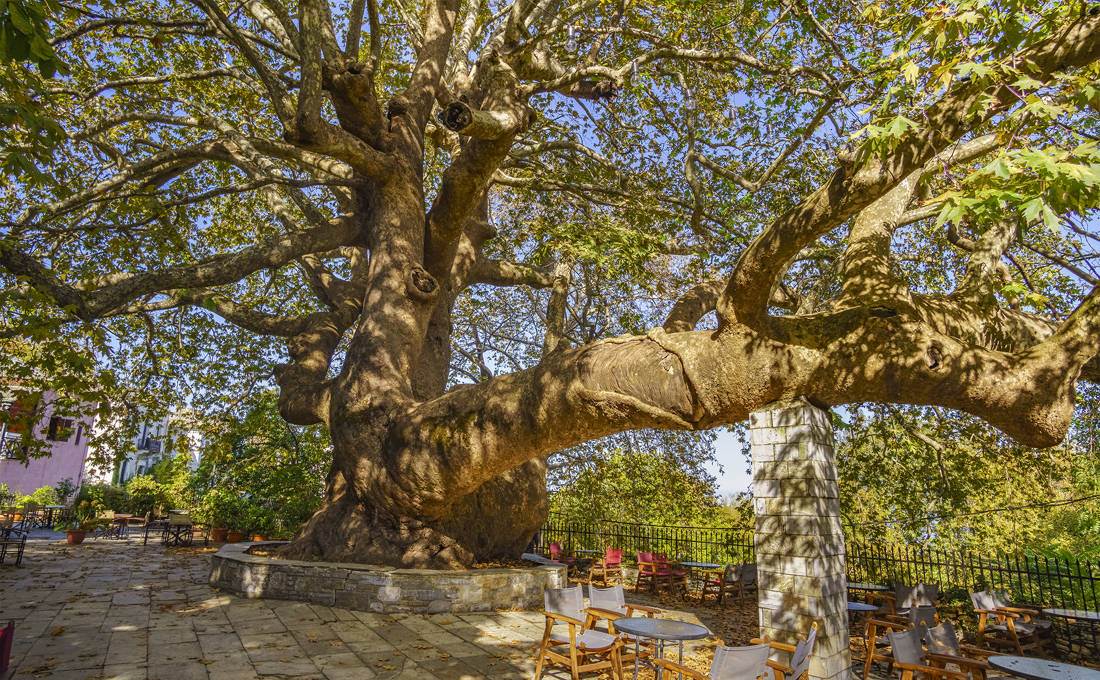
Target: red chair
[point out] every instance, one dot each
(651, 572)
(611, 566)
(719, 582)
(558, 555)
(676, 576)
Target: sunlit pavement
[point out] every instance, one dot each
(116, 609)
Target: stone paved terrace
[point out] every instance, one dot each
(109, 609)
(117, 610)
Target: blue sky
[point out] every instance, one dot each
(735, 476)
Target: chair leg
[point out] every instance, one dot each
(540, 662)
(1014, 636)
(869, 658)
(617, 661)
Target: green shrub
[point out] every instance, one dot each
(220, 508)
(147, 494)
(63, 490)
(110, 496)
(42, 496)
(260, 519)
(7, 497)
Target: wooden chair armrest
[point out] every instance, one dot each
(978, 651)
(1021, 610)
(642, 608)
(892, 625)
(956, 659)
(989, 611)
(677, 668)
(780, 666)
(931, 670)
(604, 613)
(776, 645)
(562, 618)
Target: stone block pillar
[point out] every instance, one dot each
(799, 542)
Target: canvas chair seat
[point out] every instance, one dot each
(1021, 627)
(589, 639)
(613, 600)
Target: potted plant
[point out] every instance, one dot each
(235, 515)
(217, 508)
(85, 518)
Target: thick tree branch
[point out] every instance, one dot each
(217, 270)
(554, 339)
(854, 185)
(502, 273)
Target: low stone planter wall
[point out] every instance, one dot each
(381, 589)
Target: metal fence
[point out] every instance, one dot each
(1048, 581)
(695, 544)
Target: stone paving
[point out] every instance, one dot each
(117, 610)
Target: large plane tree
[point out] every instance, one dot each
(700, 208)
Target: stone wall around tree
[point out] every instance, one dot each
(373, 588)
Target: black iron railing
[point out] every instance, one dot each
(687, 543)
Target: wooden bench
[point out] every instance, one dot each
(12, 541)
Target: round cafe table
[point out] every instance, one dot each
(1074, 614)
(869, 587)
(122, 521)
(701, 565)
(1041, 669)
(661, 631)
(51, 510)
(697, 567)
(859, 607)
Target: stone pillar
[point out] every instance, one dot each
(799, 542)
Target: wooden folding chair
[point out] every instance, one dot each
(579, 649)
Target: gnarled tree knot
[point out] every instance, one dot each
(456, 116)
(420, 284)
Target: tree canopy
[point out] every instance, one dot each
(465, 235)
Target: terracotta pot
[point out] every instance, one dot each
(257, 538)
(234, 536)
(218, 535)
(75, 536)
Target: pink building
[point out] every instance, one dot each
(66, 436)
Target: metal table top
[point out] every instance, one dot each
(1081, 614)
(867, 586)
(1042, 669)
(861, 607)
(701, 565)
(660, 629)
